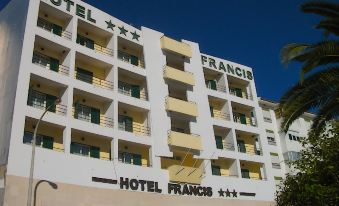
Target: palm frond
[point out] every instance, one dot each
(291, 51)
(330, 25)
(322, 8)
(316, 92)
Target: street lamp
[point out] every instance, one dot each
(52, 184)
(30, 183)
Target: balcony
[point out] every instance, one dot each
(252, 170)
(239, 88)
(243, 119)
(181, 106)
(54, 28)
(43, 101)
(248, 143)
(54, 21)
(132, 84)
(179, 76)
(92, 115)
(87, 76)
(49, 63)
(276, 166)
(49, 136)
(133, 119)
(219, 108)
(132, 90)
(131, 59)
(94, 38)
(224, 167)
(176, 47)
(178, 139)
(92, 108)
(183, 168)
(131, 52)
(214, 80)
(90, 145)
(134, 154)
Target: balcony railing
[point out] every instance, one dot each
(135, 128)
(94, 80)
(128, 90)
(276, 166)
(42, 101)
(242, 119)
(251, 150)
(49, 63)
(267, 119)
(179, 139)
(53, 28)
(178, 75)
(221, 115)
(216, 87)
(181, 106)
(239, 93)
(131, 59)
(89, 43)
(84, 113)
(227, 146)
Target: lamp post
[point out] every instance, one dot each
(30, 183)
(52, 184)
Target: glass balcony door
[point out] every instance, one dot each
(125, 123)
(41, 140)
(85, 150)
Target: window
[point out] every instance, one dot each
(245, 173)
(129, 158)
(125, 123)
(88, 114)
(219, 143)
(129, 90)
(89, 43)
(290, 136)
(216, 170)
(85, 150)
(211, 84)
(84, 75)
(41, 140)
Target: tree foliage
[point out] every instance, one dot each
(318, 90)
(317, 180)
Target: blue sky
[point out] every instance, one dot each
(248, 32)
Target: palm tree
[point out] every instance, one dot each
(318, 87)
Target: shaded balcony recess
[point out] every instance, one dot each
(49, 63)
(91, 44)
(243, 119)
(42, 101)
(53, 28)
(87, 76)
(126, 124)
(92, 115)
(132, 90)
(131, 59)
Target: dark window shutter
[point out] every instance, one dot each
(137, 159)
(245, 173)
(50, 102)
(238, 92)
(211, 110)
(213, 84)
(90, 43)
(134, 60)
(136, 91)
(95, 116)
(28, 137)
(79, 39)
(54, 64)
(95, 152)
(241, 146)
(242, 118)
(128, 124)
(84, 75)
(127, 158)
(57, 29)
(47, 142)
(218, 141)
(216, 170)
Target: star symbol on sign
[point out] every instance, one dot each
(221, 193)
(228, 194)
(123, 30)
(135, 35)
(110, 25)
(234, 193)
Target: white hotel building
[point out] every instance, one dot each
(139, 119)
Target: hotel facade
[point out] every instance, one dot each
(134, 117)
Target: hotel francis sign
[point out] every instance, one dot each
(226, 67)
(172, 188)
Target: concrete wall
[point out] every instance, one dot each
(12, 27)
